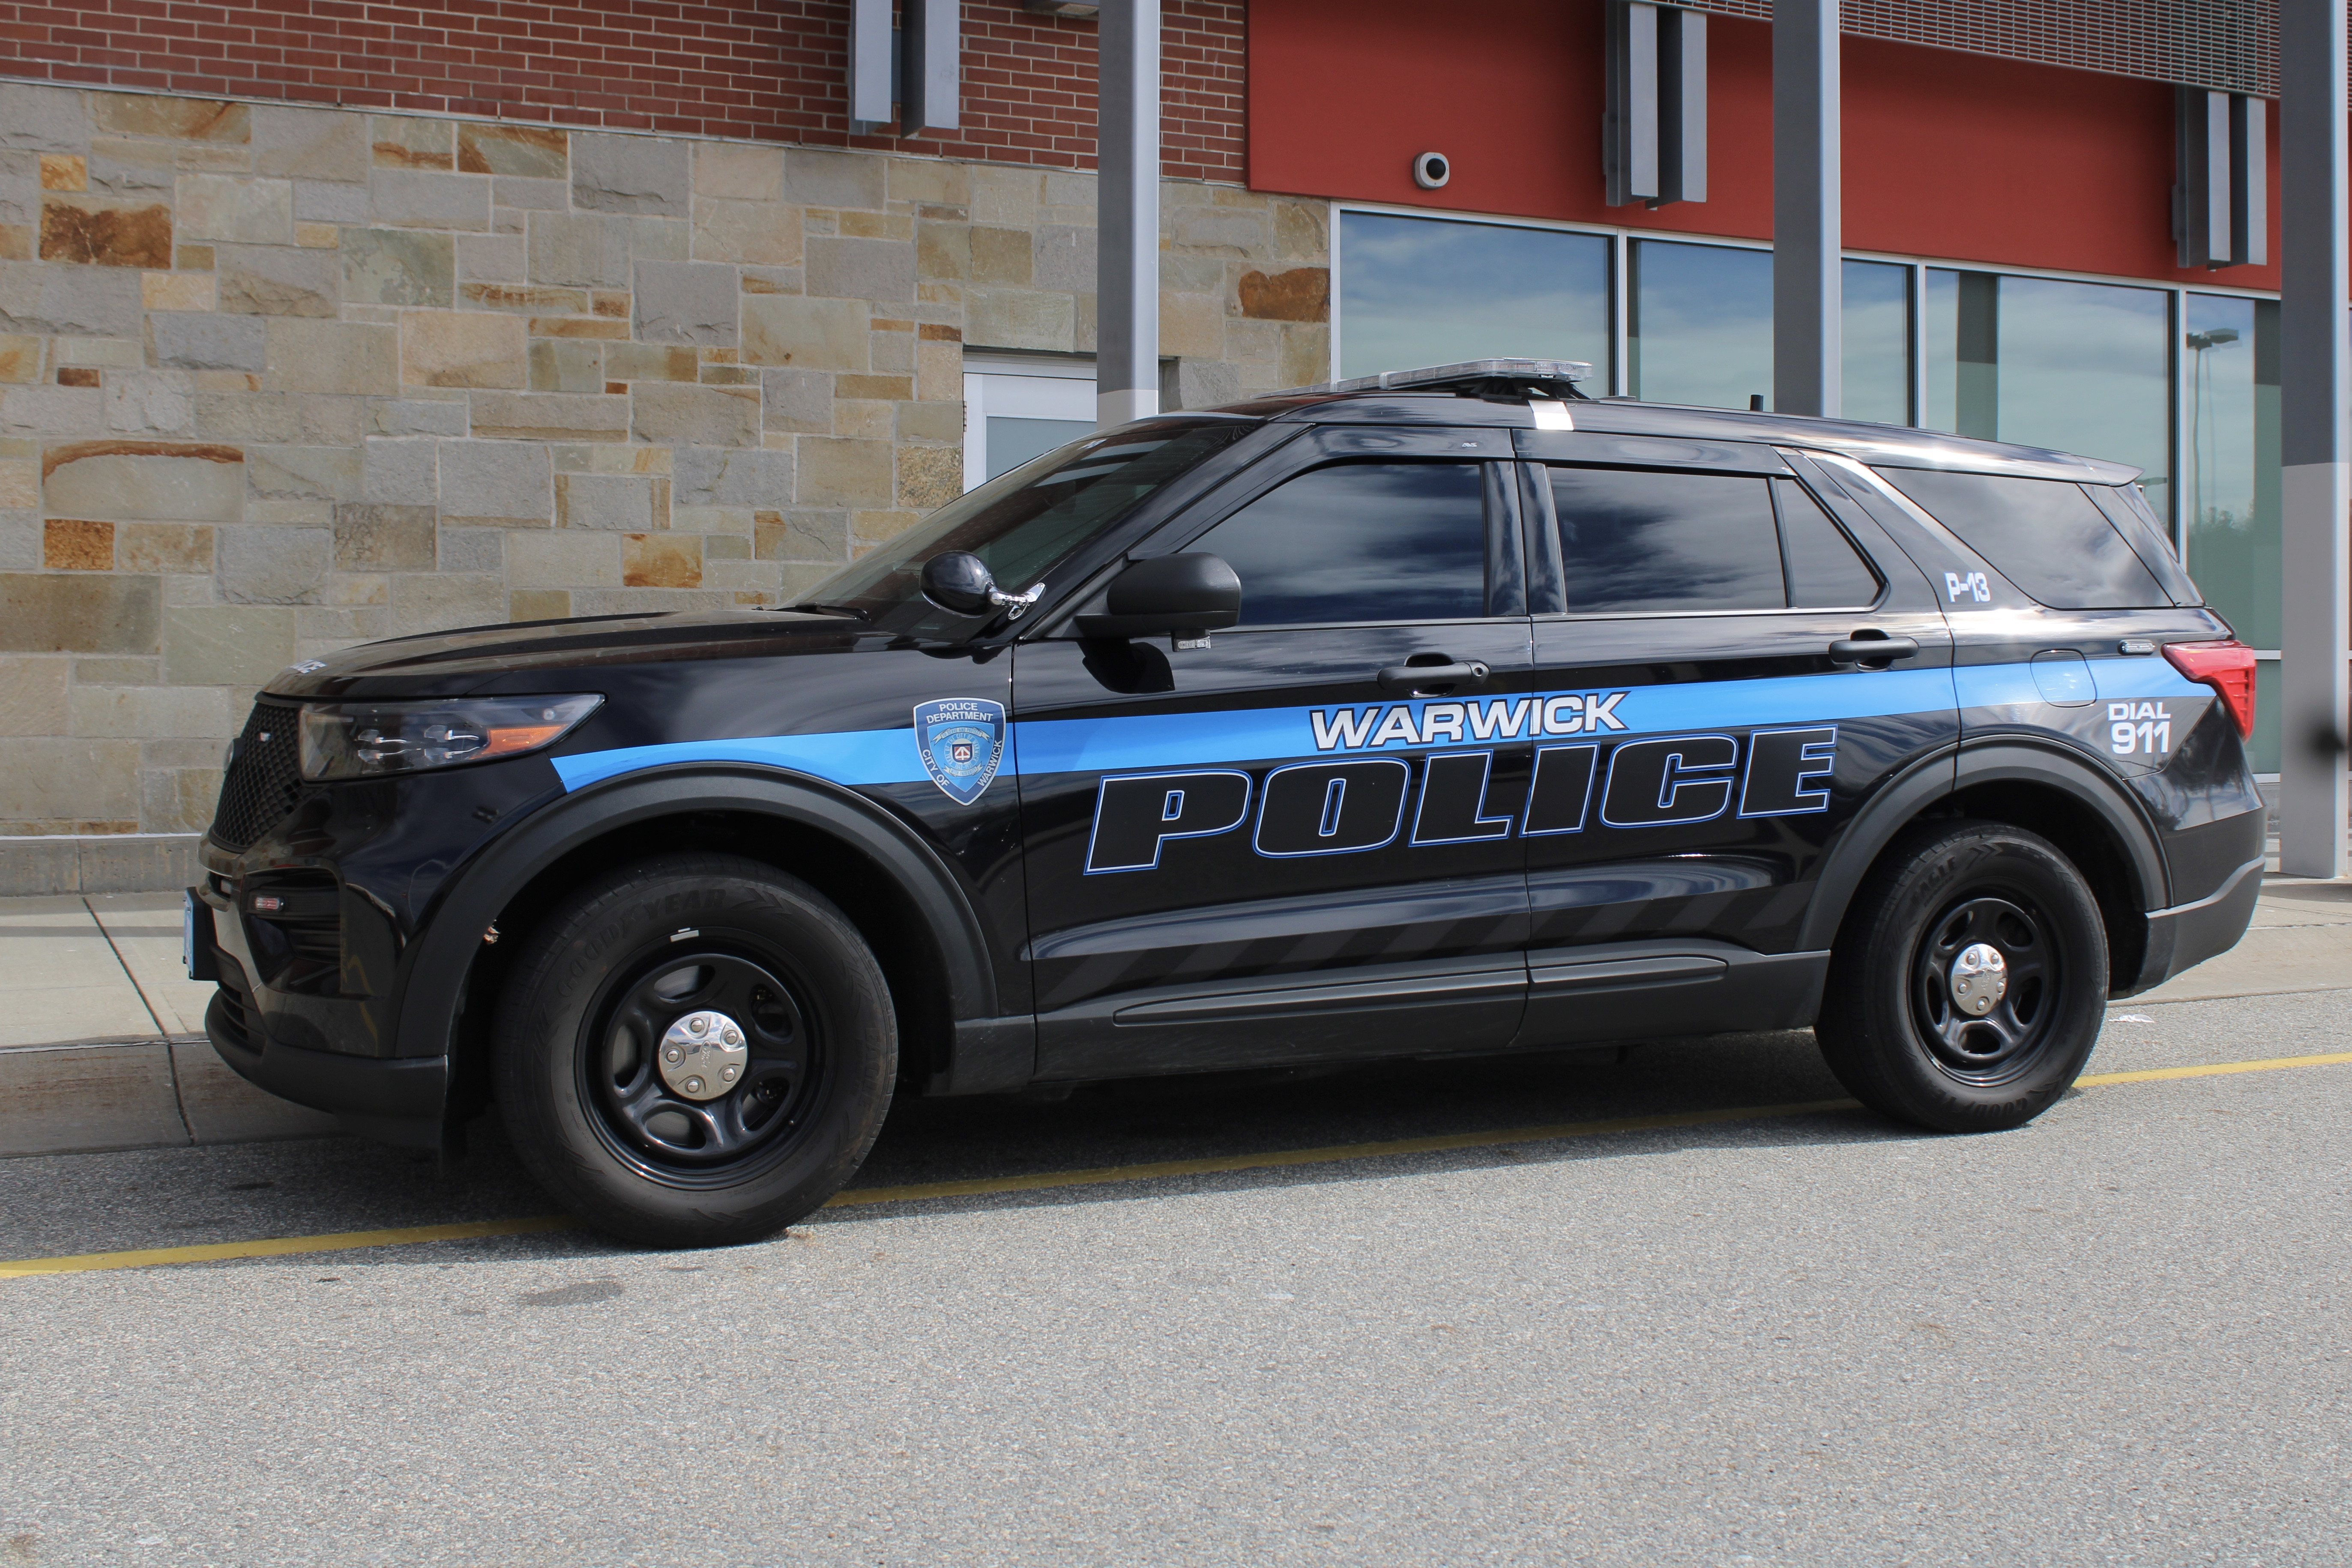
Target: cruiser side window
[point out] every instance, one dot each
(1659, 541)
(1358, 542)
(2045, 535)
(1825, 570)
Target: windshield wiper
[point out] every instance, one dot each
(823, 609)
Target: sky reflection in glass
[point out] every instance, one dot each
(1415, 292)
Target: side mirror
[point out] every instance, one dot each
(1179, 594)
(959, 582)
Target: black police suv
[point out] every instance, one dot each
(1443, 713)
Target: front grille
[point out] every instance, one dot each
(263, 778)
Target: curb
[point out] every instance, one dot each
(139, 1093)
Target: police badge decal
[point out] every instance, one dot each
(961, 740)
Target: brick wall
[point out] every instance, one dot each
(772, 71)
(275, 380)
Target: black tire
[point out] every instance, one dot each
(652, 1157)
(1891, 1025)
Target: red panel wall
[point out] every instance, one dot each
(1946, 154)
(766, 68)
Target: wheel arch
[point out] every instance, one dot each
(2041, 789)
(905, 900)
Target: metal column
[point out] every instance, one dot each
(1127, 266)
(2315, 396)
(1807, 292)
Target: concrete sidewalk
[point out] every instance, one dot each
(102, 1043)
(102, 1035)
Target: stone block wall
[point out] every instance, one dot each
(277, 380)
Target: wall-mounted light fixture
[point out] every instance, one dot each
(1654, 128)
(912, 79)
(2221, 215)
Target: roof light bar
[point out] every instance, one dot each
(1475, 370)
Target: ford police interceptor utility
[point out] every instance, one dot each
(1439, 713)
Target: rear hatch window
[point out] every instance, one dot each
(2045, 535)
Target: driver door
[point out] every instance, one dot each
(1295, 839)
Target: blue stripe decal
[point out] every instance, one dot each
(2121, 677)
(859, 757)
(862, 757)
(1268, 734)
(2012, 685)
(845, 757)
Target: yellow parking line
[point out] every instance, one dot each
(280, 1247)
(1098, 1176)
(2211, 1069)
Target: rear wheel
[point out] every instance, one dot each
(695, 1050)
(1970, 982)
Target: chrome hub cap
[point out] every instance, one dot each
(703, 1055)
(1984, 987)
(1980, 979)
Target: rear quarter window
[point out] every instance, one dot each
(2045, 535)
(2128, 510)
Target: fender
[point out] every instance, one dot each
(1884, 815)
(2004, 760)
(433, 970)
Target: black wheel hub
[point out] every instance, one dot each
(1984, 987)
(656, 1106)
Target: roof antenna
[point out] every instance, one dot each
(1755, 403)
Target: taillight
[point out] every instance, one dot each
(2228, 667)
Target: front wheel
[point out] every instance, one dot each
(695, 1050)
(1969, 983)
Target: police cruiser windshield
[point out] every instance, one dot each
(1024, 522)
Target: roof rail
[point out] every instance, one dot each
(1477, 373)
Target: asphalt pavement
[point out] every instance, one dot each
(2114, 1336)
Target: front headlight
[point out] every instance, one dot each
(367, 740)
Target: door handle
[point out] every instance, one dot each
(1432, 679)
(1873, 652)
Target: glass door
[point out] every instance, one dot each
(1016, 409)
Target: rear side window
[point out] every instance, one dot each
(2045, 535)
(1360, 542)
(2128, 509)
(1825, 570)
(1636, 540)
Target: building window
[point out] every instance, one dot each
(1699, 326)
(2083, 367)
(2229, 479)
(1420, 291)
(1877, 342)
(1016, 409)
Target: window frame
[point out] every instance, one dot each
(1788, 562)
(1336, 446)
(1547, 575)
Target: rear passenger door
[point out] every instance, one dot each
(1296, 840)
(1712, 717)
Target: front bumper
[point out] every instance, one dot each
(270, 1038)
(396, 1099)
